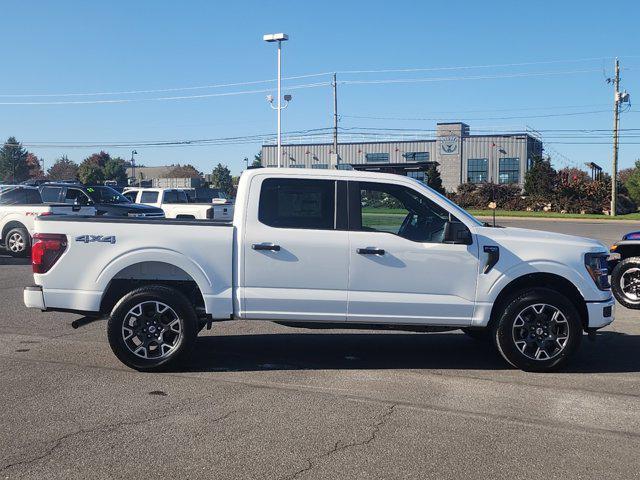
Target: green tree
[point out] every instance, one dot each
(221, 178)
(115, 169)
(13, 162)
(63, 169)
(257, 159)
(633, 184)
(91, 170)
(541, 178)
(90, 173)
(434, 180)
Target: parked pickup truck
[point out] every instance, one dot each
(175, 204)
(19, 207)
(325, 249)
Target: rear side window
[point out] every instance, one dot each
(175, 196)
(298, 203)
(131, 195)
(51, 194)
(148, 197)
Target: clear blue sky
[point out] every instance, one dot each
(87, 47)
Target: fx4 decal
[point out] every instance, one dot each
(96, 238)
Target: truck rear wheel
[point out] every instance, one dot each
(625, 282)
(538, 331)
(152, 328)
(18, 242)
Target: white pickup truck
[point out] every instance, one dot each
(19, 207)
(175, 204)
(325, 249)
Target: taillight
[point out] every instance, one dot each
(46, 250)
(210, 213)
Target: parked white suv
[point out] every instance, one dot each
(19, 207)
(325, 249)
(175, 204)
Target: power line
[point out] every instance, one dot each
(158, 99)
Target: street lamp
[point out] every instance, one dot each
(278, 37)
(133, 166)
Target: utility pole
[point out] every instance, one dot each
(616, 119)
(335, 116)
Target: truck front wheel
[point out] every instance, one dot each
(152, 327)
(625, 282)
(538, 330)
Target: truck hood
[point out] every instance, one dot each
(528, 236)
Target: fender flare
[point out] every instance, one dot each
(160, 255)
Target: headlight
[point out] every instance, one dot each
(596, 264)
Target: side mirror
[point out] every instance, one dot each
(457, 233)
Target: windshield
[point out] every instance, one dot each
(106, 195)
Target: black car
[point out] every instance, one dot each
(107, 201)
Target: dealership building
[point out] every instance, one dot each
(459, 156)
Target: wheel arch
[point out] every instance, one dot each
(541, 280)
(10, 225)
(152, 272)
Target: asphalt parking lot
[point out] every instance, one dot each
(258, 400)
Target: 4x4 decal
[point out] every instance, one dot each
(96, 238)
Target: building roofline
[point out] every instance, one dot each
(425, 140)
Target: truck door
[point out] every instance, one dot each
(401, 271)
(295, 250)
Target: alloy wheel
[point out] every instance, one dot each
(541, 331)
(16, 243)
(152, 330)
(630, 283)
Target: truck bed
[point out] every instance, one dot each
(103, 250)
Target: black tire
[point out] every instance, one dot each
(479, 334)
(147, 323)
(521, 330)
(627, 271)
(18, 242)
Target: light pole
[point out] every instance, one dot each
(133, 166)
(278, 37)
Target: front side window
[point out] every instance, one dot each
(377, 157)
(399, 210)
(76, 197)
(149, 197)
(477, 170)
(51, 194)
(509, 170)
(297, 203)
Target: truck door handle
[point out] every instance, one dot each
(370, 251)
(266, 246)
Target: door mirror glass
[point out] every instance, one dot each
(457, 233)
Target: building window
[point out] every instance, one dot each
(376, 157)
(509, 170)
(416, 156)
(477, 170)
(296, 165)
(320, 166)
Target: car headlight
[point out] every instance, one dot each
(597, 266)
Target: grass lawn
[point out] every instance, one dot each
(389, 213)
